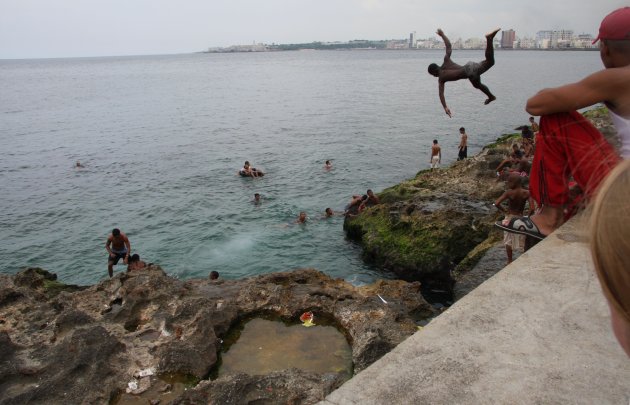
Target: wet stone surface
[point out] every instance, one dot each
(104, 338)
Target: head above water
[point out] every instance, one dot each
(434, 69)
(435, 141)
(329, 212)
(116, 232)
(214, 275)
(134, 258)
(462, 130)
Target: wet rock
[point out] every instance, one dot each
(286, 387)
(98, 337)
(33, 277)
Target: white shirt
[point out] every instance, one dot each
(623, 130)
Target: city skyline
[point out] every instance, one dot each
(70, 28)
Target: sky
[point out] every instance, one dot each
(78, 28)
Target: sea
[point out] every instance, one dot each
(161, 139)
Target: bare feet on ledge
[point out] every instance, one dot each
(493, 33)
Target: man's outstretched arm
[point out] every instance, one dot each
(447, 43)
(442, 99)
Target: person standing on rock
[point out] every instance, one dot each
(451, 71)
(463, 145)
(516, 197)
(118, 247)
(436, 155)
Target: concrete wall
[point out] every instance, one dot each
(537, 332)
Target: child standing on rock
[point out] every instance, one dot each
(516, 196)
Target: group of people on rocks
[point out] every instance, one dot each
(118, 247)
(566, 146)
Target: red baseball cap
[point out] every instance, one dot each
(615, 25)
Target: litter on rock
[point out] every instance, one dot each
(307, 319)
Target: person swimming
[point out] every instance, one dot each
(248, 171)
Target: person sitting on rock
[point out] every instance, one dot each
(354, 207)
(135, 263)
(522, 170)
(568, 145)
(372, 199)
(515, 157)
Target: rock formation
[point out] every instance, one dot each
(86, 345)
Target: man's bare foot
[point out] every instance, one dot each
(489, 100)
(493, 33)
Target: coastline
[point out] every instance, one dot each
(433, 228)
(436, 227)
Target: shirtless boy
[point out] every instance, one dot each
(118, 247)
(516, 197)
(451, 71)
(436, 155)
(463, 145)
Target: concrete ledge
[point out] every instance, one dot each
(537, 332)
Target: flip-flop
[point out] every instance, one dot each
(523, 226)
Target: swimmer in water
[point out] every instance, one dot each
(301, 219)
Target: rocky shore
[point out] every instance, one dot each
(124, 340)
(436, 227)
(63, 344)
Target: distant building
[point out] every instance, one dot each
(507, 39)
(526, 43)
(554, 39)
(412, 40)
(474, 43)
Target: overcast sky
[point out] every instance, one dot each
(66, 28)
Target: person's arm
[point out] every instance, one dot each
(440, 155)
(605, 85)
(447, 44)
(128, 244)
(442, 99)
(107, 245)
(498, 202)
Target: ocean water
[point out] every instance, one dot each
(162, 137)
